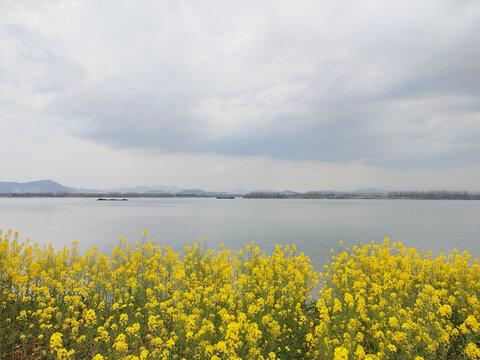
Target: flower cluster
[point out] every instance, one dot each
(147, 302)
(376, 301)
(382, 301)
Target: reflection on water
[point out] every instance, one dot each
(313, 225)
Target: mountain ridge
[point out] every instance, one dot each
(40, 187)
(34, 187)
(52, 187)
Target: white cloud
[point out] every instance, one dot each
(83, 163)
(258, 87)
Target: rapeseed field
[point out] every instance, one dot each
(144, 301)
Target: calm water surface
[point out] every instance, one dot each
(313, 225)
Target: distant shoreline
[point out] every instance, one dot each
(443, 195)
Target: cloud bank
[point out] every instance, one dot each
(389, 85)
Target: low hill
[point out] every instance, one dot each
(34, 187)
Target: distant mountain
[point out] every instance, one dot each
(146, 189)
(288, 192)
(157, 191)
(34, 187)
(198, 192)
(262, 190)
(361, 191)
(52, 187)
(325, 192)
(370, 191)
(239, 191)
(86, 191)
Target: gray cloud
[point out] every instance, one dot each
(394, 84)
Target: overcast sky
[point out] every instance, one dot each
(300, 95)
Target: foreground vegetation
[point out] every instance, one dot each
(374, 301)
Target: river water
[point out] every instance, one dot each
(314, 226)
